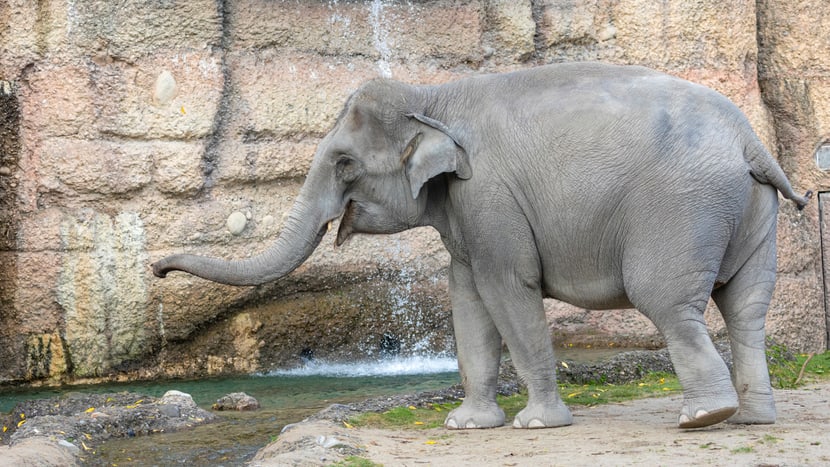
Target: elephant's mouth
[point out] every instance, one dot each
(346, 229)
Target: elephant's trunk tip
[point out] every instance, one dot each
(159, 269)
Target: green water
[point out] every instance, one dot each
(237, 436)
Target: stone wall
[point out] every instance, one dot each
(136, 129)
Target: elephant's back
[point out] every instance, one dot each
(617, 151)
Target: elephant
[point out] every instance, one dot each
(603, 186)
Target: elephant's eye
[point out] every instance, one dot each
(347, 169)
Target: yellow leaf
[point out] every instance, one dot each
(438, 409)
(667, 389)
(419, 423)
(139, 401)
(431, 441)
(641, 384)
(86, 448)
(574, 394)
(411, 407)
(565, 364)
(88, 436)
(90, 410)
(347, 424)
(20, 423)
(22, 415)
(662, 380)
(5, 428)
(182, 111)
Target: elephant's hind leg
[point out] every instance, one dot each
(743, 302)
(675, 304)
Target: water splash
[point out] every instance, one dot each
(379, 38)
(395, 366)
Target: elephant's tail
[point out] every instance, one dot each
(765, 169)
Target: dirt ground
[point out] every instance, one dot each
(637, 432)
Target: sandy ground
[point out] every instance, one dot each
(638, 432)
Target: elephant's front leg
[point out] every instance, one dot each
(510, 289)
(479, 352)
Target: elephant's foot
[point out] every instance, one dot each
(543, 416)
(703, 417)
(755, 409)
(698, 412)
(469, 417)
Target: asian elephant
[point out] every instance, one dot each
(603, 186)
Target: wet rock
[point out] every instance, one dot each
(236, 401)
(86, 420)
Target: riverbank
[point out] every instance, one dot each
(639, 432)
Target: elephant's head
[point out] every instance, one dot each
(370, 169)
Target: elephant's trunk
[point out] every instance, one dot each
(303, 230)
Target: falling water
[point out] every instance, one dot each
(392, 366)
(379, 38)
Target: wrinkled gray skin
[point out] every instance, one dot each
(601, 186)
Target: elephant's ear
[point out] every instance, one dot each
(433, 151)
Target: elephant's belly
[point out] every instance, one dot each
(598, 293)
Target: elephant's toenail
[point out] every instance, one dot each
(535, 423)
(517, 423)
(684, 419)
(701, 413)
(471, 424)
(452, 424)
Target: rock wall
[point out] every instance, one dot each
(136, 129)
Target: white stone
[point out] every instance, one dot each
(165, 88)
(237, 222)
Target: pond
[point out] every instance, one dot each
(285, 396)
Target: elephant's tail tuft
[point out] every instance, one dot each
(803, 200)
(766, 170)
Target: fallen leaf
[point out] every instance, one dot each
(431, 441)
(90, 410)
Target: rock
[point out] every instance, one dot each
(165, 88)
(178, 398)
(236, 222)
(236, 401)
(79, 422)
